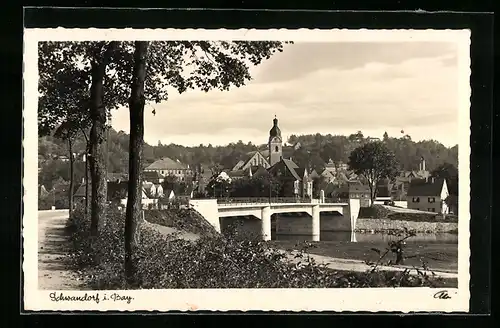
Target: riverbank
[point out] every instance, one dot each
(385, 225)
(439, 256)
(383, 218)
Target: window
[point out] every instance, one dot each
(416, 199)
(432, 200)
(276, 149)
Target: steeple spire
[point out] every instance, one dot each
(275, 130)
(275, 143)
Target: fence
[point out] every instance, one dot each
(263, 200)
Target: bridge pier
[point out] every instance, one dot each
(315, 223)
(354, 206)
(266, 223)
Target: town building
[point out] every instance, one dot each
(249, 172)
(326, 174)
(254, 158)
(295, 180)
(402, 182)
(168, 167)
(153, 177)
(428, 195)
(355, 191)
(201, 178)
(153, 190)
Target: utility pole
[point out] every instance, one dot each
(270, 190)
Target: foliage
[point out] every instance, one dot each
(319, 184)
(407, 152)
(212, 262)
(219, 185)
(57, 196)
(184, 219)
(256, 186)
(374, 161)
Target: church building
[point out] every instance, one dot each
(296, 180)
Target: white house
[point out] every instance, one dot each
(167, 166)
(428, 195)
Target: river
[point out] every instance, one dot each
(345, 236)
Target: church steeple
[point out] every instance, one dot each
(275, 130)
(275, 143)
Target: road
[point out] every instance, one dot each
(53, 270)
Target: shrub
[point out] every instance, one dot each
(185, 219)
(232, 261)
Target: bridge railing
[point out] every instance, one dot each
(335, 200)
(262, 200)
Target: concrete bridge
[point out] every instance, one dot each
(213, 210)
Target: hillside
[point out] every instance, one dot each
(315, 151)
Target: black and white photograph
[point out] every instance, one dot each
(284, 170)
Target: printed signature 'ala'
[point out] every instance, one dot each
(443, 295)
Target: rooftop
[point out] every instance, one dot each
(421, 187)
(166, 163)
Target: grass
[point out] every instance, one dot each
(440, 257)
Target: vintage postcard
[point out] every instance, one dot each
(219, 170)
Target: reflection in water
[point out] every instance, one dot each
(442, 238)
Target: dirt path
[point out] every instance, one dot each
(360, 266)
(53, 271)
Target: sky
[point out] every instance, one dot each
(328, 88)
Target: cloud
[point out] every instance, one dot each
(417, 94)
(302, 58)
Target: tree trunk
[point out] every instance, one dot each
(97, 138)
(134, 201)
(86, 183)
(87, 151)
(71, 176)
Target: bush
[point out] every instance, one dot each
(233, 261)
(182, 219)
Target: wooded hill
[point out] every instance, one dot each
(315, 150)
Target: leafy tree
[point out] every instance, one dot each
(136, 142)
(331, 151)
(214, 65)
(86, 63)
(319, 184)
(374, 161)
(219, 186)
(356, 137)
(61, 109)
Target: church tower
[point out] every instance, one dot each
(275, 143)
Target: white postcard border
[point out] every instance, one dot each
(375, 299)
